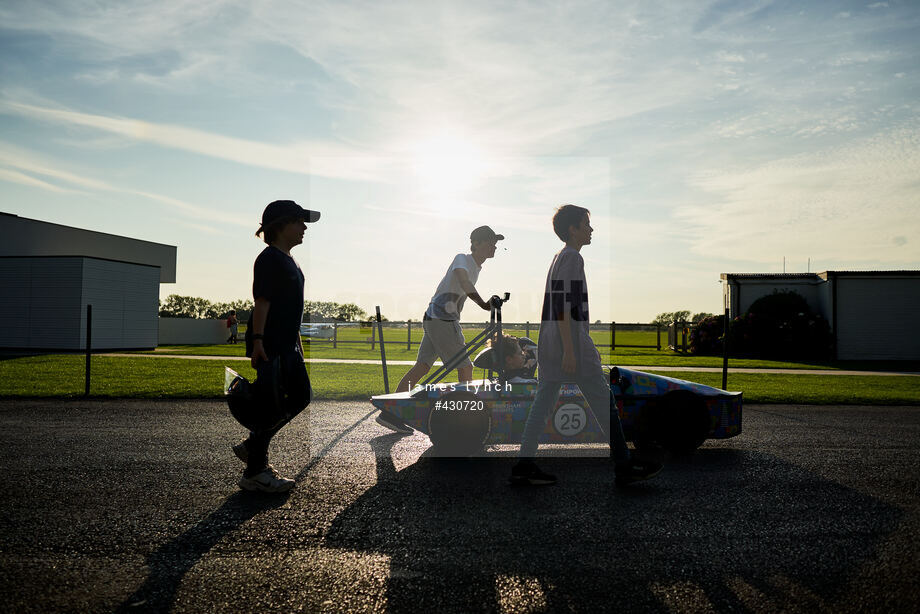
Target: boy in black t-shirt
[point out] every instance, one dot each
(277, 289)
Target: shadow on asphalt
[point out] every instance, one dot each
(169, 563)
(721, 526)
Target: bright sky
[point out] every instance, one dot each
(704, 137)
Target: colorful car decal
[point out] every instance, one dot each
(572, 420)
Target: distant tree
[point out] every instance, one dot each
(243, 308)
(668, 317)
(699, 317)
(328, 311)
(319, 311)
(349, 312)
(664, 318)
(176, 306)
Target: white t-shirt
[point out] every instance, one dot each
(448, 299)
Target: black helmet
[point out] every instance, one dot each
(256, 405)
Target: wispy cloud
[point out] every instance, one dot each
(549, 179)
(716, 132)
(320, 158)
(14, 176)
(22, 167)
(120, 29)
(847, 204)
(528, 79)
(540, 79)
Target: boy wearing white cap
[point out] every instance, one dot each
(443, 337)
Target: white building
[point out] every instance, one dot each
(873, 314)
(49, 273)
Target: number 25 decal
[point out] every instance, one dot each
(570, 419)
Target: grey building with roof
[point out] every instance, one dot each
(49, 273)
(872, 314)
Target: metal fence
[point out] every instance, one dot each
(679, 335)
(606, 334)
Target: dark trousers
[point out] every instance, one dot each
(297, 396)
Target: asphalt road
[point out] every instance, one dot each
(132, 506)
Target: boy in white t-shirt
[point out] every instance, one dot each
(443, 337)
(566, 353)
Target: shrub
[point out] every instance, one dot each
(781, 326)
(706, 336)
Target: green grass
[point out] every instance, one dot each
(355, 345)
(199, 350)
(117, 377)
(63, 375)
(114, 377)
(620, 356)
(814, 389)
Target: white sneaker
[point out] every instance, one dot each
(267, 481)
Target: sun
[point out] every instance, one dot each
(447, 166)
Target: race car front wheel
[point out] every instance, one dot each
(678, 421)
(459, 424)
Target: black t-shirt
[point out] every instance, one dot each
(277, 278)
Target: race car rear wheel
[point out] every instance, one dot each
(459, 424)
(678, 421)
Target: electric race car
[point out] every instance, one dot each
(462, 418)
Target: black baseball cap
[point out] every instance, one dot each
(281, 209)
(484, 233)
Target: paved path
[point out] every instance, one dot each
(637, 368)
(132, 506)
